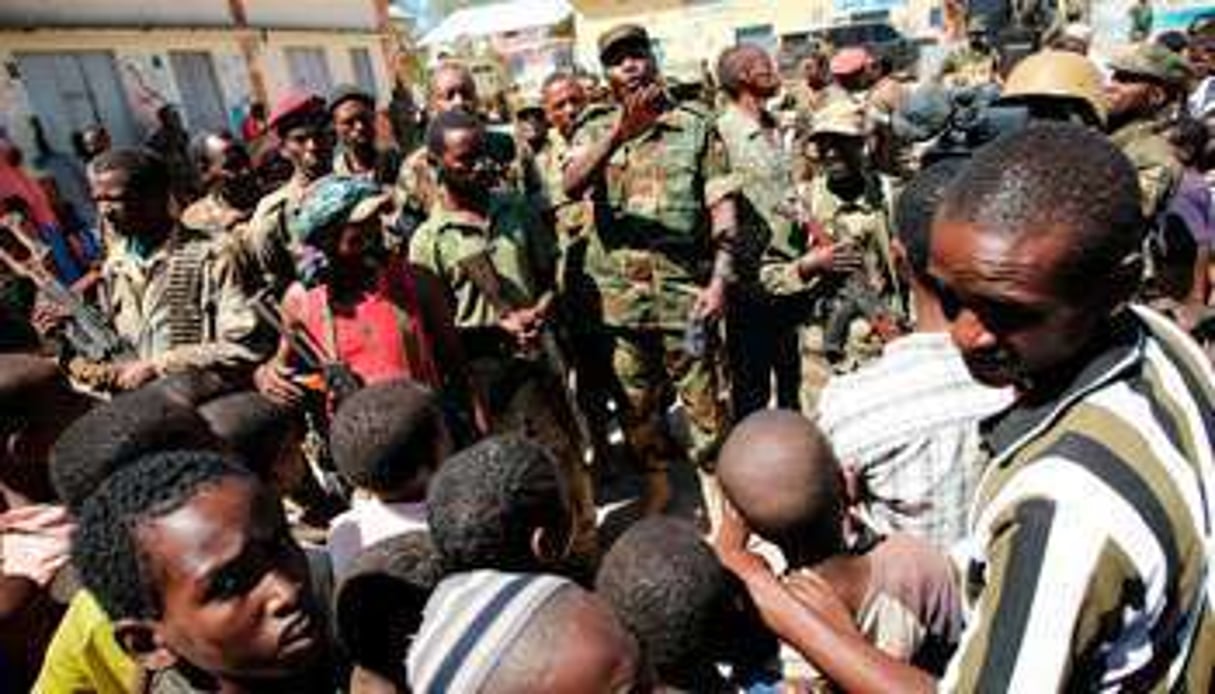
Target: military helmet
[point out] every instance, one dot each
(1058, 74)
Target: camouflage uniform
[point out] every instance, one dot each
(1155, 160)
(266, 246)
(649, 256)
(208, 326)
(967, 67)
(520, 390)
(762, 326)
(864, 222)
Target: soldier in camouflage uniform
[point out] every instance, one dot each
(1147, 83)
(849, 204)
(231, 188)
(494, 258)
(776, 271)
(662, 249)
(302, 126)
(172, 293)
(972, 65)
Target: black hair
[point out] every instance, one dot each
(146, 171)
(556, 78)
(436, 131)
(732, 64)
(384, 437)
(668, 588)
(487, 500)
(105, 549)
(1175, 41)
(197, 149)
(917, 205)
(115, 434)
(1190, 136)
(1056, 178)
(252, 427)
(378, 604)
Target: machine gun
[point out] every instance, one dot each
(91, 345)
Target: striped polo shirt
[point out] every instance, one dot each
(1086, 566)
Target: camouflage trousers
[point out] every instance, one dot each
(654, 372)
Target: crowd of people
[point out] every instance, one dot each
(905, 381)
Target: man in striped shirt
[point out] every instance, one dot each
(1090, 536)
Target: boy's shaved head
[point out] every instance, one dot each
(779, 472)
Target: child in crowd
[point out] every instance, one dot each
(36, 403)
(686, 610)
(190, 556)
(378, 608)
(387, 440)
(263, 434)
(782, 481)
(500, 504)
(493, 632)
(83, 655)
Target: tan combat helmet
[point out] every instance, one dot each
(1058, 75)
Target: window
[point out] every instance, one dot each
(308, 69)
(364, 73)
(201, 100)
(760, 35)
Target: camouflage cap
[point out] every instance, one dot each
(1154, 62)
(618, 36)
(840, 116)
(336, 200)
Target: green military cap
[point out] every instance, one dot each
(1154, 62)
(619, 36)
(840, 116)
(976, 24)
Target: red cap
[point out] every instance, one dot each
(849, 61)
(296, 103)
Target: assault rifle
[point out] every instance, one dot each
(92, 344)
(336, 382)
(855, 297)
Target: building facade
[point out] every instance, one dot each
(72, 63)
(689, 31)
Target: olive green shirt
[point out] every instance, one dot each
(265, 244)
(652, 247)
(519, 246)
(767, 246)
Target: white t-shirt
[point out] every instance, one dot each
(368, 521)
